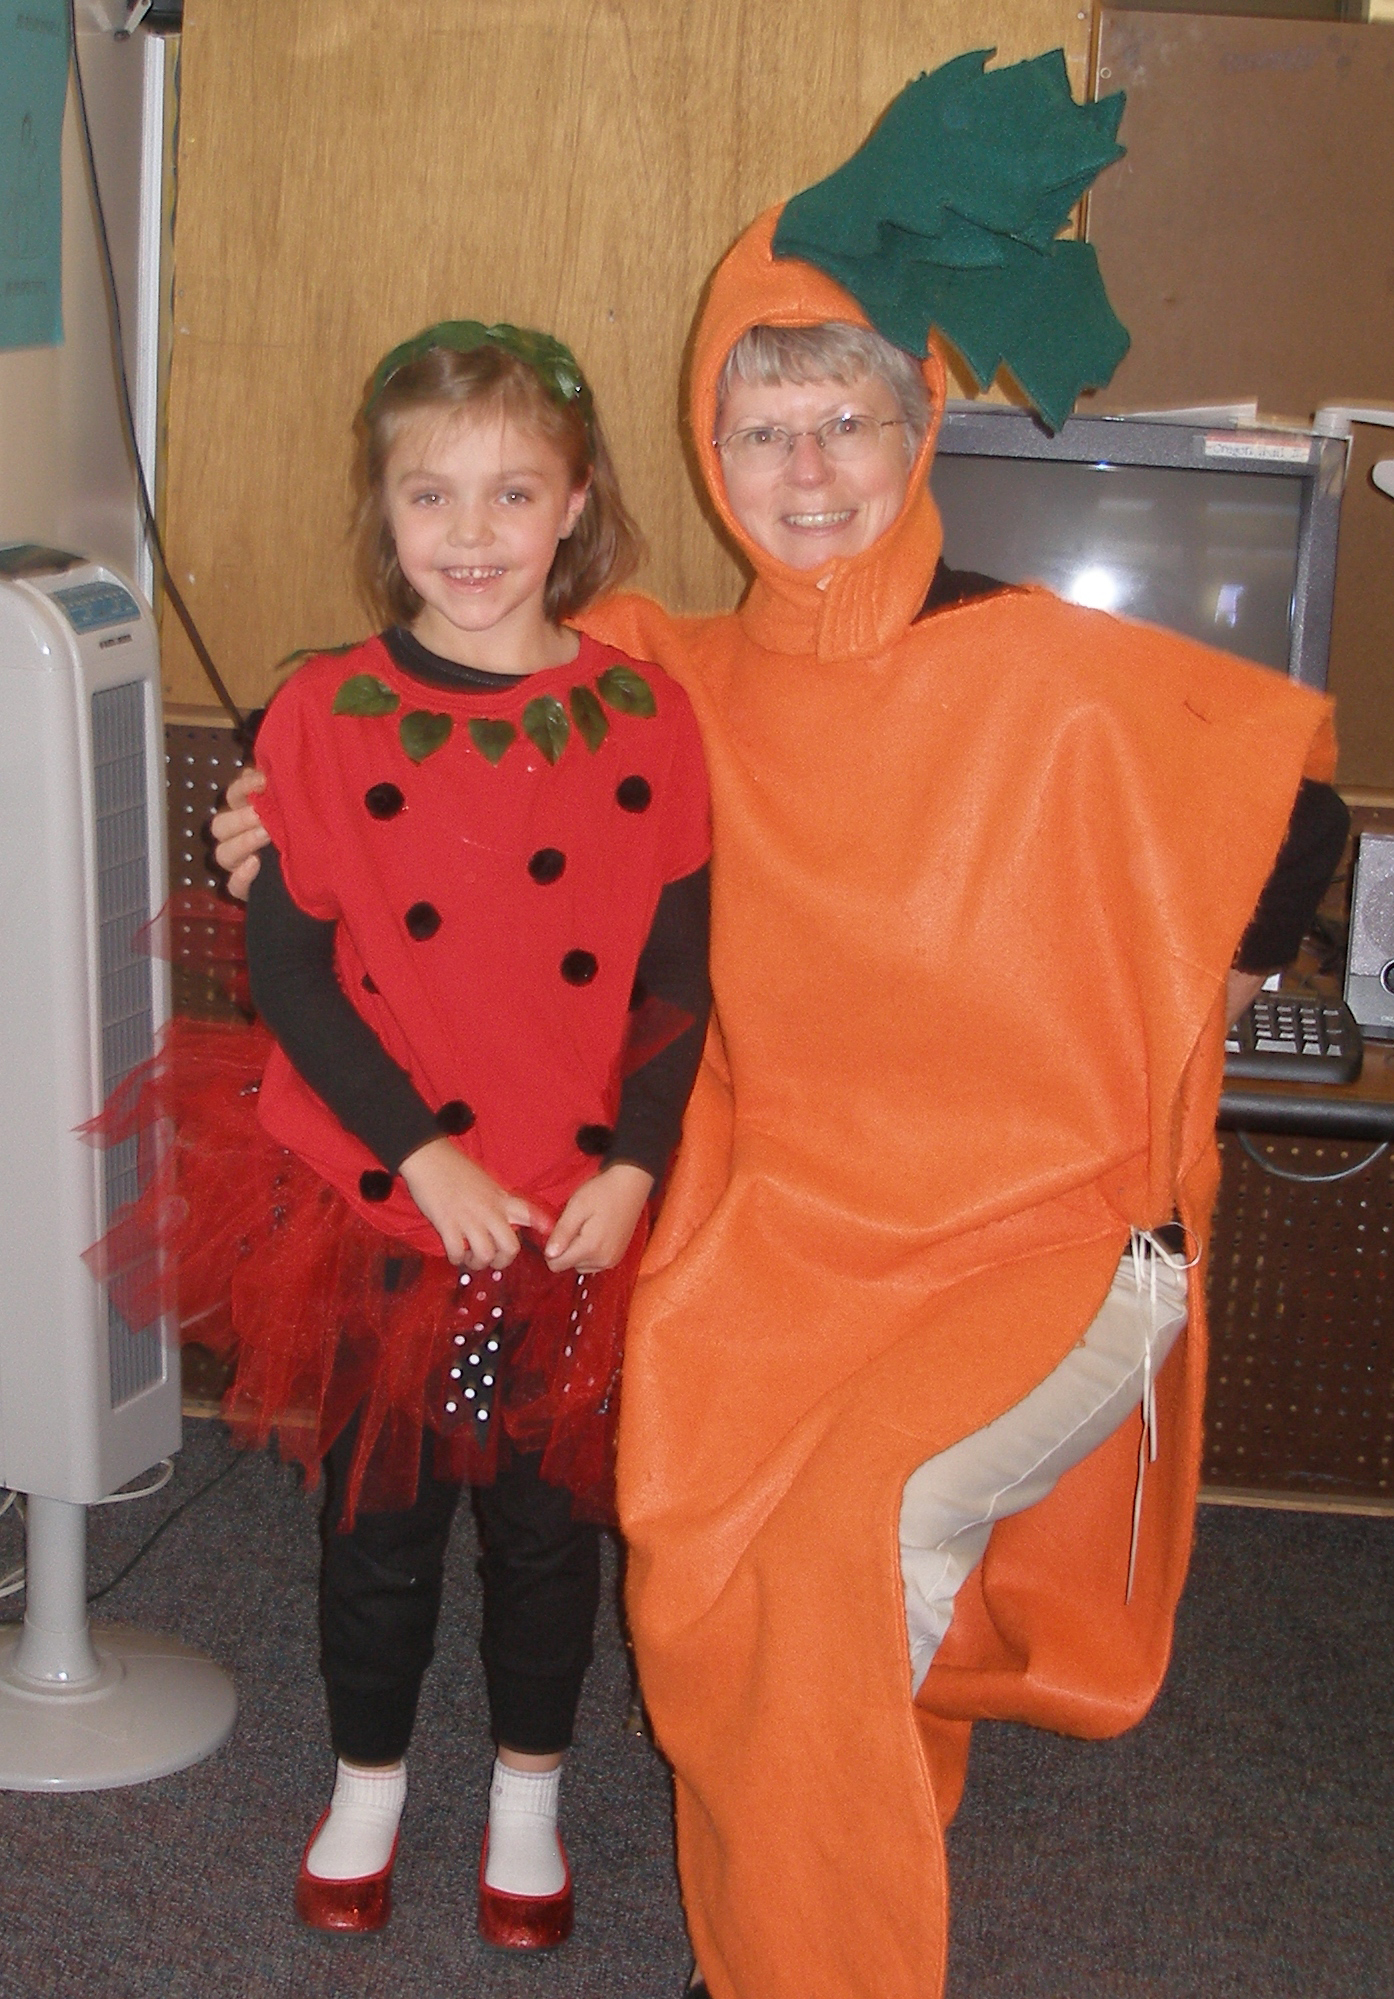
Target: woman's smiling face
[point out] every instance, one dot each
(808, 508)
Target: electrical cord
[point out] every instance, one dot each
(12, 1583)
(147, 511)
(141, 1491)
(15, 1579)
(95, 1596)
(1310, 1179)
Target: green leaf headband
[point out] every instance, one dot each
(554, 365)
(947, 217)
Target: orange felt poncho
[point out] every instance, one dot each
(977, 883)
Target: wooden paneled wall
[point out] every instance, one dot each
(351, 170)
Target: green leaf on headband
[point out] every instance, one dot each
(545, 724)
(364, 694)
(627, 691)
(589, 717)
(423, 733)
(491, 739)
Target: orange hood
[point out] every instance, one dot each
(856, 605)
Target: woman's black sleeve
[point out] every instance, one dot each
(296, 990)
(1307, 859)
(672, 967)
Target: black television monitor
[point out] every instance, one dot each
(1225, 535)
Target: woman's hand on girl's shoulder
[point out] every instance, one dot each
(474, 1217)
(239, 833)
(594, 1228)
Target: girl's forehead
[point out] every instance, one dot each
(476, 439)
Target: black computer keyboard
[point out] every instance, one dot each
(1294, 1038)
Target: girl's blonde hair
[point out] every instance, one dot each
(602, 549)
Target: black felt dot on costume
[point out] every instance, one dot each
(375, 1184)
(423, 921)
(370, 984)
(594, 1139)
(547, 865)
(634, 794)
(578, 968)
(384, 801)
(455, 1118)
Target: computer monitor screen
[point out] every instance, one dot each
(1191, 528)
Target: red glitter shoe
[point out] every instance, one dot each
(350, 1907)
(524, 1922)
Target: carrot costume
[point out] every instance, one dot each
(978, 881)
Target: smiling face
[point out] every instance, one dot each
(808, 508)
(476, 504)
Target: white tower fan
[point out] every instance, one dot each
(86, 1404)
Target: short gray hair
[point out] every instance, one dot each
(836, 351)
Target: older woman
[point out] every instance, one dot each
(897, 1216)
(884, 1307)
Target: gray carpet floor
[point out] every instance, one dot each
(1236, 1846)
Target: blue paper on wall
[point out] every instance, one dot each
(33, 89)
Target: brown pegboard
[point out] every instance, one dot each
(1300, 1399)
(201, 761)
(1300, 1396)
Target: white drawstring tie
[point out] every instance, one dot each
(1148, 1250)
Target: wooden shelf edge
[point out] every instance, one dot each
(1370, 1507)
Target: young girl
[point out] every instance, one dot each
(479, 939)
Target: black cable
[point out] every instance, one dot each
(94, 1596)
(1310, 1179)
(147, 511)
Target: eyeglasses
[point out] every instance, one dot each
(843, 439)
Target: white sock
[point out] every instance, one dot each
(356, 1839)
(525, 1856)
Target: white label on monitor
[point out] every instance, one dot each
(1261, 445)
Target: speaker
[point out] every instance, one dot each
(1370, 954)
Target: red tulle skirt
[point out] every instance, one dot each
(326, 1316)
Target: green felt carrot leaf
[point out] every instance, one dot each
(364, 694)
(949, 216)
(627, 691)
(423, 733)
(589, 717)
(491, 739)
(545, 724)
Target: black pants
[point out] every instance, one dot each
(380, 1592)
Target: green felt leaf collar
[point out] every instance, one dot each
(423, 733)
(491, 739)
(589, 717)
(627, 691)
(365, 694)
(545, 722)
(545, 725)
(314, 652)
